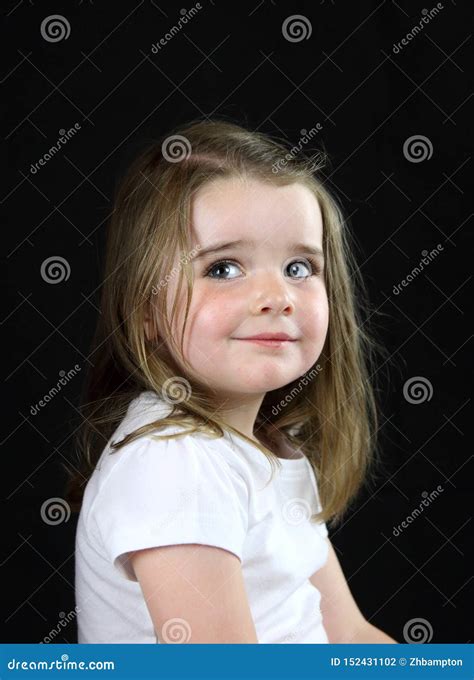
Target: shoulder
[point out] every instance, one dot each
(169, 444)
(164, 470)
(168, 492)
(168, 459)
(170, 453)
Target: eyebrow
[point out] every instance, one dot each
(241, 243)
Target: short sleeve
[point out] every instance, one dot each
(320, 526)
(169, 492)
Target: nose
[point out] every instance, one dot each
(271, 295)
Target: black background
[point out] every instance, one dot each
(232, 61)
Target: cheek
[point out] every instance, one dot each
(207, 331)
(211, 317)
(316, 316)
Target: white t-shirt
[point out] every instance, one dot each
(195, 489)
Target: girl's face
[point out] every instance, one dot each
(267, 284)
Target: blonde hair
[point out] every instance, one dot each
(329, 414)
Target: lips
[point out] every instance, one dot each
(269, 336)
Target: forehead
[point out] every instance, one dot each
(267, 214)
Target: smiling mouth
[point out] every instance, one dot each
(266, 342)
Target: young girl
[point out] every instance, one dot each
(227, 419)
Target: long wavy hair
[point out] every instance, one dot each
(330, 413)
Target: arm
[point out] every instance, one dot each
(200, 585)
(342, 619)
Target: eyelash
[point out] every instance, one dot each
(314, 266)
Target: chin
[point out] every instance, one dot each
(262, 387)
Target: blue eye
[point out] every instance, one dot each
(315, 269)
(217, 265)
(296, 262)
